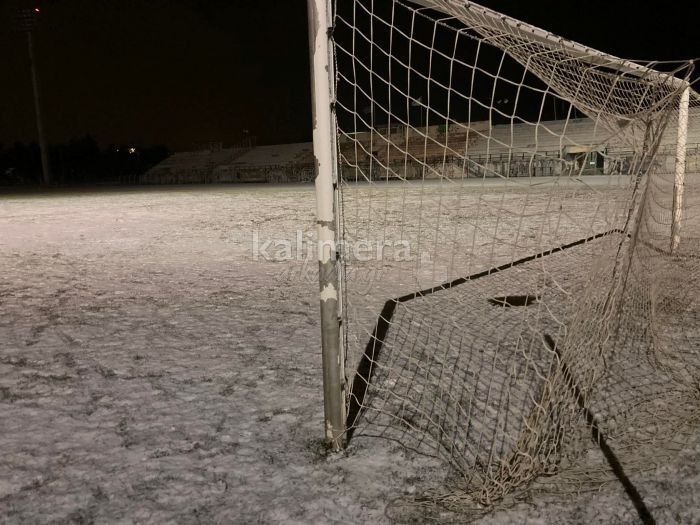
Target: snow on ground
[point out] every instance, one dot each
(151, 370)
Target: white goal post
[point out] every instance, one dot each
(325, 153)
(679, 180)
(508, 238)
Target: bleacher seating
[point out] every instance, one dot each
(281, 163)
(522, 149)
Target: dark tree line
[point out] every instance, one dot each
(78, 161)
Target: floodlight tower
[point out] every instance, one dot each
(26, 18)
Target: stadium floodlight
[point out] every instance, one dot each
(26, 19)
(531, 282)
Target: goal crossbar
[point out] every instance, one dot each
(592, 56)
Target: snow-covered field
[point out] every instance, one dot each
(152, 370)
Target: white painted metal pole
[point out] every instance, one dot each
(678, 185)
(323, 86)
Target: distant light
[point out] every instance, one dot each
(37, 10)
(132, 151)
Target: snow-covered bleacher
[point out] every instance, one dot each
(543, 149)
(279, 163)
(499, 150)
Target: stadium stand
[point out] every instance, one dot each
(280, 163)
(499, 150)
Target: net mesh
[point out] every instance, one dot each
(505, 201)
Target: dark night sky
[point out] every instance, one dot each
(177, 72)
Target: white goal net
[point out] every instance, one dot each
(519, 227)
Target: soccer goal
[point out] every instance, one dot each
(509, 241)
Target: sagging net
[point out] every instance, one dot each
(506, 200)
